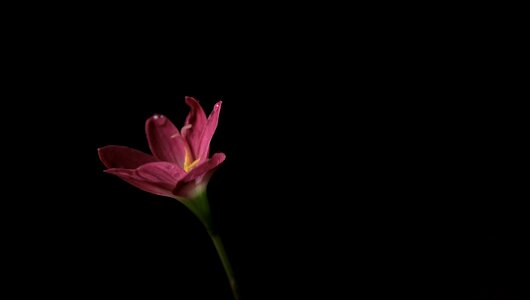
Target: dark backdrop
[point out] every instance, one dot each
(321, 194)
(357, 174)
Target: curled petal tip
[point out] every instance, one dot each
(189, 100)
(123, 157)
(220, 156)
(114, 171)
(101, 149)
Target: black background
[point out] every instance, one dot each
(317, 196)
(368, 171)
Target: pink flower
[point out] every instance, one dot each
(179, 167)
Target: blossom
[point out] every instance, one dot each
(179, 166)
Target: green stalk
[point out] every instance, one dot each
(226, 263)
(200, 207)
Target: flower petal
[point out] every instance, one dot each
(123, 157)
(165, 141)
(158, 178)
(208, 132)
(194, 125)
(198, 175)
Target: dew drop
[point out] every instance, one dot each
(160, 119)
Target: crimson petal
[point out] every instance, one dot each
(165, 141)
(199, 175)
(208, 131)
(123, 157)
(194, 125)
(158, 178)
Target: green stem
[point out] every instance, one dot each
(226, 264)
(199, 205)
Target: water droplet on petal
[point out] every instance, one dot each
(160, 119)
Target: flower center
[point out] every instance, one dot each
(188, 163)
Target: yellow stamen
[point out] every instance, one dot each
(188, 164)
(193, 165)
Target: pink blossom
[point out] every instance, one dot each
(179, 167)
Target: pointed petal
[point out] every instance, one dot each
(194, 125)
(208, 132)
(205, 167)
(159, 178)
(165, 141)
(123, 157)
(199, 175)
